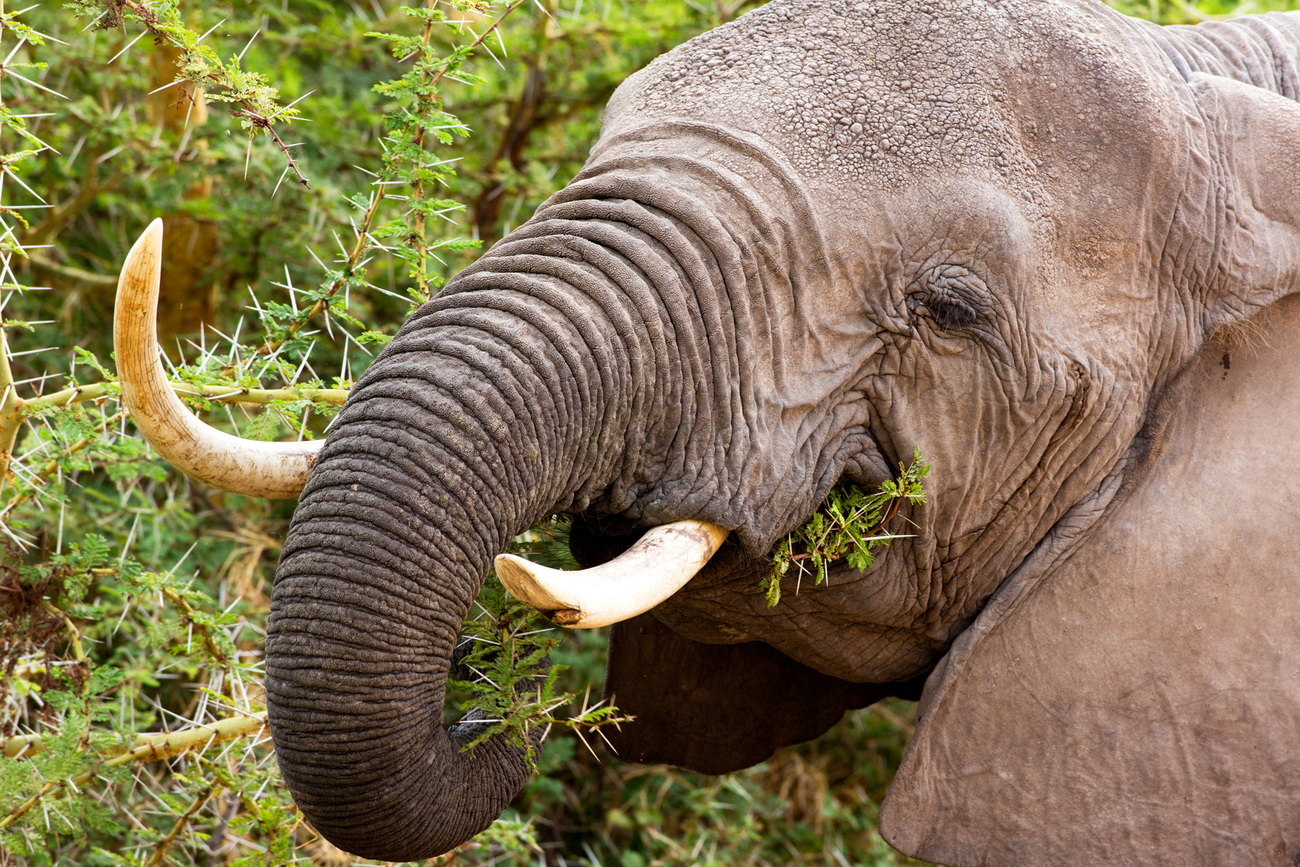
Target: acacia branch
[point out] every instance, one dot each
(213, 82)
(364, 241)
(221, 393)
(417, 190)
(74, 634)
(147, 748)
(11, 418)
(263, 122)
(188, 613)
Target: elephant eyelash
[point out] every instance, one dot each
(949, 313)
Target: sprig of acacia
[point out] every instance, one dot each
(249, 96)
(849, 525)
(504, 669)
(408, 158)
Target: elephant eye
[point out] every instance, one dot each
(949, 313)
(945, 299)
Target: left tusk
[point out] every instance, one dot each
(256, 469)
(656, 567)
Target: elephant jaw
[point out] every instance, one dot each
(652, 570)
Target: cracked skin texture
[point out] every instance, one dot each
(1008, 233)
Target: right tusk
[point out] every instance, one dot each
(256, 469)
(656, 567)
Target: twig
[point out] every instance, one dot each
(246, 108)
(147, 748)
(160, 848)
(263, 122)
(479, 41)
(74, 635)
(188, 615)
(10, 405)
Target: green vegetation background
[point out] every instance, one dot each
(133, 599)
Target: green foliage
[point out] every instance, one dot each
(94, 646)
(1183, 12)
(250, 97)
(848, 526)
(507, 676)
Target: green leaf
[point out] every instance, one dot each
(849, 525)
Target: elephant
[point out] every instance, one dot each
(1051, 246)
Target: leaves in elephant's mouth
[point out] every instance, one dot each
(849, 525)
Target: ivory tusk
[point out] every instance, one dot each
(656, 567)
(258, 469)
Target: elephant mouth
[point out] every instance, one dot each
(595, 539)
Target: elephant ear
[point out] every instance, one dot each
(717, 708)
(1137, 701)
(1253, 195)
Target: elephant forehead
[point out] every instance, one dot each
(836, 88)
(876, 91)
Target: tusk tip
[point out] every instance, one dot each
(526, 581)
(150, 239)
(645, 575)
(142, 270)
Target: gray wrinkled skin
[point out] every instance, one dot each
(805, 244)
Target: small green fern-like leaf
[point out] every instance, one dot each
(849, 525)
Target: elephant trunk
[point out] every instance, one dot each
(594, 361)
(486, 413)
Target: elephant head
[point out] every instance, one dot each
(1008, 233)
